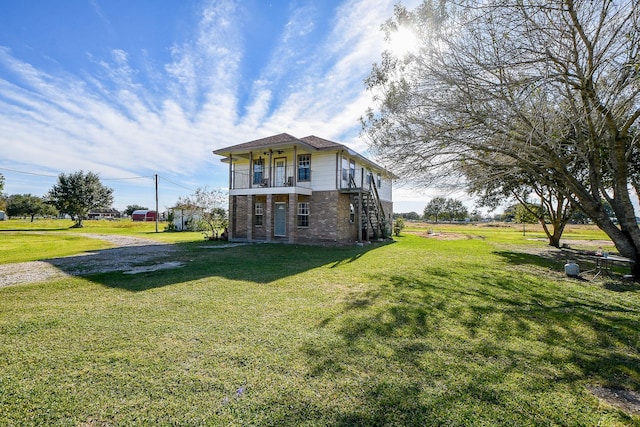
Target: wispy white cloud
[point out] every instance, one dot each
(119, 120)
(103, 18)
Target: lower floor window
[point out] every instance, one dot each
(303, 214)
(259, 213)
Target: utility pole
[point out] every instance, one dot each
(157, 213)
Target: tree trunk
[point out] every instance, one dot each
(626, 238)
(558, 229)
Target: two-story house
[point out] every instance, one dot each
(305, 190)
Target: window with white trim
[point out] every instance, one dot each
(304, 167)
(258, 171)
(303, 214)
(259, 213)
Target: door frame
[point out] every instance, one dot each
(275, 219)
(281, 182)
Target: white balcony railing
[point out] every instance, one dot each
(243, 180)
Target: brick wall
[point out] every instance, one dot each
(239, 209)
(260, 231)
(329, 218)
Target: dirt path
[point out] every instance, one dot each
(128, 254)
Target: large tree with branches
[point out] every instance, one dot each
(550, 89)
(78, 193)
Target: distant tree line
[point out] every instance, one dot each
(75, 194)
(442, 209)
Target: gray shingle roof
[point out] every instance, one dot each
(284, 139)
(321, 143)
(280, 139)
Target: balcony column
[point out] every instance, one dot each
(360, 207)
(270, 181)
(292, 218)
(268, 217)
(250, 169)
(230, 171)
(232, 218)
(250, 208)
(294, 181)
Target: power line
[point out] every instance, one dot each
(176, 184)
(29, 173)
(123, 179)
(103, 179)
(56, 176)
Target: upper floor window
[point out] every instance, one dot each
(304, 167)
(345, 169)
(379, 183)
(303, 214)
(258, 171)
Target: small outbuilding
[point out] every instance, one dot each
(185, 219)
(144, 215)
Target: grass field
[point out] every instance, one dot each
(465, 330)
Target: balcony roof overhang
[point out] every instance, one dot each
(270, 190)
(286, 143)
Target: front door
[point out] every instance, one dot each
(280, 172)
(281, 220)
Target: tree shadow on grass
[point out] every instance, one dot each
(138, 268)
(464, 343)
(555, 259)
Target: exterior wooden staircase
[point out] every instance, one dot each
(369, 212)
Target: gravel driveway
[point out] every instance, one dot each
(128, 255)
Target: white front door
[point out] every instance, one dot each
(280, 172)
(280, 226)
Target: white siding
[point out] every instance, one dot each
(386, 189)
(323, 171)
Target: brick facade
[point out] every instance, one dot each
(330, 219)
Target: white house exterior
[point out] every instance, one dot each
(184, 218)
(305, 190)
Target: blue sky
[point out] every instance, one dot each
(130, 89)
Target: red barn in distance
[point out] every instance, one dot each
(144, 215)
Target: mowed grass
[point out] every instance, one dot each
(22, 240)
(29, 246)
(124, 227)
(416, 332)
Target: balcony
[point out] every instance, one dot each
(243, 183)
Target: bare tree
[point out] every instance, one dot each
(210, 203)
(548, 88)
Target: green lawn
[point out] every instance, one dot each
(22, 240)
(416, 332)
